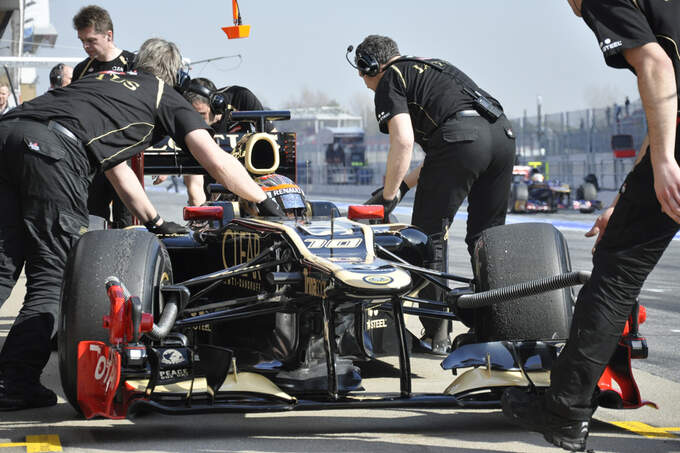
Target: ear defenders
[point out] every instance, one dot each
(367, 64)
(56, 75)
(216, 101)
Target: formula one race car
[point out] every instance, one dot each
(530, 193)
(265, 314)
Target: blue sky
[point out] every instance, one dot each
(515, 49)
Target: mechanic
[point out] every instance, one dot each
(469, 150)
(201, 95)
(60, 76)
(633, 233)
(50, 149)
(4, 99)
(95, 31)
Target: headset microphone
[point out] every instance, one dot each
(350, 48)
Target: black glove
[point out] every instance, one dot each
(377, 198)
(403, 189)
(270, 208)
(167, 228)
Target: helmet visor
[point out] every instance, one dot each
(291, 201)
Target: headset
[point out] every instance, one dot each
(367, 64)
(56, 75)
(216, 101)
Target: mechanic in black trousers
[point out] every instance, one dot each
(468, 143)
(95, 31)
(50, 147)
(643, 36)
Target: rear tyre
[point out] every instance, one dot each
(589, 192)
(510, 254)
(519, 192)
(136, 257)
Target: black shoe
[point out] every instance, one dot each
(528, 410)
(16, 395)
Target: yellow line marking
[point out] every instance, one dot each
(37, 444)
(648, 431)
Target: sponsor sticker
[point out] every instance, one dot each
(378, 279)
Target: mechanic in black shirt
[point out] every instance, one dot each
(201, 94)
(641, 35)
(469, 152)
(95, 31)
(50, 147)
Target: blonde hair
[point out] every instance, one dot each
(160, 58)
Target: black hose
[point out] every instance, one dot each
(165, 323)
(486, 298)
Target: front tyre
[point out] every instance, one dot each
(510, 254)
(136, 257)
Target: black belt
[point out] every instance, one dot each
(58, 128)
(466, 113)
(54, 127)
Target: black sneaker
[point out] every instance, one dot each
(16, 395)
(528, 410)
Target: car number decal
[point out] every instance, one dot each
(349, 243)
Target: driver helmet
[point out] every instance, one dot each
(284, 191)
(537, 177)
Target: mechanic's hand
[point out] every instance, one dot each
(159, 179)
(167, 228)
(667, 187)
(270, 208)
(600, 225)
(377, 198)
(403, 189)
(389, 205)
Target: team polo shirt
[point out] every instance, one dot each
(626, 24)
(122, 63)
(428, 95)
(116, 115)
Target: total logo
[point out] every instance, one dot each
(378, 279)
(608, 45)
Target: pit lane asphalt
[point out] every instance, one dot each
(646, 429)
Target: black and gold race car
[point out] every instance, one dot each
(275, 314)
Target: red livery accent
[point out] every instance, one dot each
(115, 321)
(98, 379)
(368, 211)
(618, 389)
(203, 213)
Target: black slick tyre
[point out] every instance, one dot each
(519, 194)
(510, 254)
(589, 192)
(136, 257)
